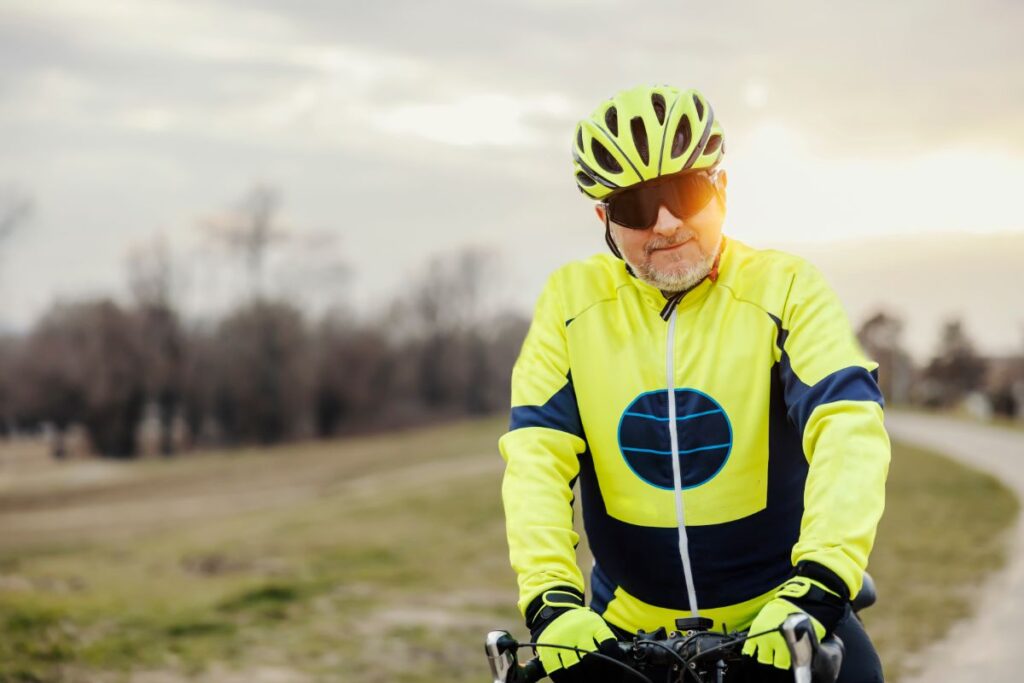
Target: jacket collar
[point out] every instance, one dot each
(683, 300)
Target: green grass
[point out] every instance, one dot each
(337, 586)
(382, 584)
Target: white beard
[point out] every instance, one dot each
(677, 280)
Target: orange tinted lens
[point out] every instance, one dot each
(684, 195)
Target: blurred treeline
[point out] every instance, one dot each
(142, 376)
(267, 373)
(139, 375)
(957, 376)
(263, 374)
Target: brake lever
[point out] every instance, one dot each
(502, 656)
(501, 650)
(812, 660)
(829, 659)
(802, 642)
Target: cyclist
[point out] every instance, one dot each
(711, 400)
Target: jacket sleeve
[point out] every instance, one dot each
(832, 396)
(541, 452)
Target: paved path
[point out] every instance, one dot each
(989, 648)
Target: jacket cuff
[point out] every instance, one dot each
(549, 604)
(824, 576)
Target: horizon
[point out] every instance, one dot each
(977, 296)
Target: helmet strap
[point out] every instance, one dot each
(611, 242)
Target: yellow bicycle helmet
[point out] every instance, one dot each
(644, 133)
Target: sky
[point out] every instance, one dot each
(398, 131)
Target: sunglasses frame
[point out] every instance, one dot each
(712, 176)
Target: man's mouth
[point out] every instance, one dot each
(668, 247)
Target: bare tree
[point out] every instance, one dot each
(151, 273)
(456, 355)
(881, 335)
(448, 293)
(264, 374)
(151, 280)
(502, 339)
(313, 271)
(355, 368)
(956, 369)
(15, 208)
(248, 230)
(10, 351)
(200, 381)
(83, 363)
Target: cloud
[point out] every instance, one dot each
(858, 77)
(473, 119)
(868, 78)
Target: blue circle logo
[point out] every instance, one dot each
(703, 429)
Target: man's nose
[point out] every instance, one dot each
(667, 223)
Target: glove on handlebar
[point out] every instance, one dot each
(799, 594)
(558, 617)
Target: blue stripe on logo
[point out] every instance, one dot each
(681, 452)
(678, 417)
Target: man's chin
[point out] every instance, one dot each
(674, 279)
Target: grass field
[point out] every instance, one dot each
(370, 560)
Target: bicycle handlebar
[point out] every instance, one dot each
(691, 650)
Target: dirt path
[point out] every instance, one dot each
(988, 647)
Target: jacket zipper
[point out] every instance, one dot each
(677, 478)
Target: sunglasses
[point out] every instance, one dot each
(684, 194)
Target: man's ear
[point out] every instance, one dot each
(721, 183)
(722, 180)
(599, 210)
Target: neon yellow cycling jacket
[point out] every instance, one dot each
(781, 445)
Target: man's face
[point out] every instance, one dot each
(673, 254)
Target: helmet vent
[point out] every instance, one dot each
(579, 138)
(583, 179)
(713, 144)
(683, 136)
(700, 107)
(611, 117)
(639, 130)
(658, 102)
(604, 157)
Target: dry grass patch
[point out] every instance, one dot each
(388, 565)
